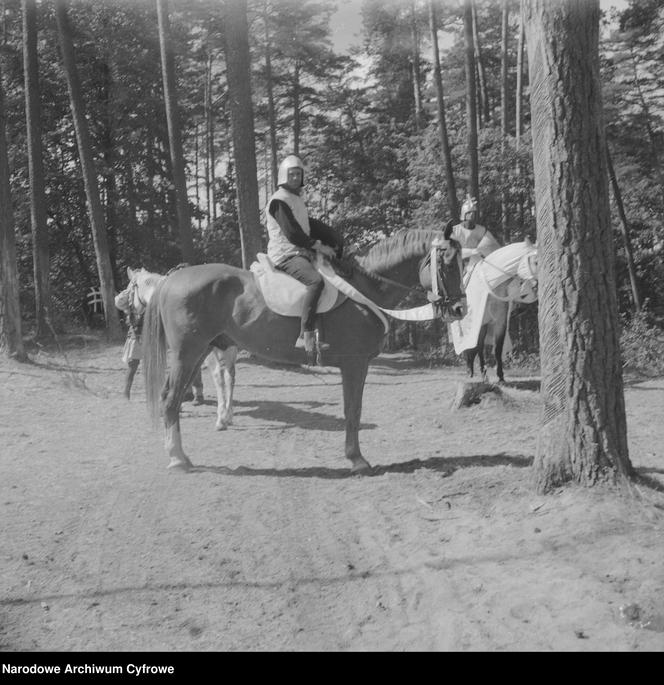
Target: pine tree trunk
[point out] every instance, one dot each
(624, 227)
(415, 69)
(296, 109)
(174, 133)
(40, 248)
(504, 116)
(271, 110)
(442, 125)
(242, 126)
(11, 337)
(471, 108)
(482, 89)
(583, 434)
(95, 211)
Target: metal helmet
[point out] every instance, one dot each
(469, 205)
(291, 162)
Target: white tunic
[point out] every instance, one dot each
(278, 246)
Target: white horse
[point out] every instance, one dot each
(221, 358)
(506, 276)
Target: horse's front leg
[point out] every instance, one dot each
(470, 362)
(223, 375)
(353, 375)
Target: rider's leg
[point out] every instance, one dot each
(303, 270)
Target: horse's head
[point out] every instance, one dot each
(527, 273)
(450, 278)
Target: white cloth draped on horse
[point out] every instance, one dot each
(507, 274)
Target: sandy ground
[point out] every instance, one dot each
(270, 544)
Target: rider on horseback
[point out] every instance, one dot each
(294, 238)
(476, 241)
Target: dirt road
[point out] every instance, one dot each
(270, 545)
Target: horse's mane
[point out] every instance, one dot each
(398, 247)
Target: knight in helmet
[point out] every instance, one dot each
(294, 239)
(476, 240)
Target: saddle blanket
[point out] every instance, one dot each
(284, 294)
(505, 264)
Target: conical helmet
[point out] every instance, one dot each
(291, 162)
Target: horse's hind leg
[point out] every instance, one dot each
(353, 375)
(175, 387)
(223, 375)
(480, 352)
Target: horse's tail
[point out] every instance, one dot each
(154, 355)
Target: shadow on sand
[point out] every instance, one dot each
(446, 466)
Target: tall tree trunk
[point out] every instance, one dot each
(483, 90)
(236, 45)
(197, 176)
(296, 109)
(110, 183)
(471, 109)
(624, 228)
(11, 337)
(40, 247)
(212, 156)
(271, 110)
(503, 116)
(442, 125)
(95, 211)
(583, 432)
(174, 132)
(208, 115)
(518, 112)
(415, 69)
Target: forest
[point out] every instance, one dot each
(148, 133)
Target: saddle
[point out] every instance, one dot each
(284, 294)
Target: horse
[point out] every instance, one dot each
(221, 360)
(221, 305)
(506, 276)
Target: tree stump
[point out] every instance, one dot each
(470, 392)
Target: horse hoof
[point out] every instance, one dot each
(179, 464)
(221, 426)
(199, 400)
(360, 465)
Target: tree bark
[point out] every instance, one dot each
(583, 433)
(442, 124)
(415, 69)
(471, 108)
(95, 210)
(482, 89)
(503, 115)
(11, 336)
(271, 110)
(236, 45)
(174, 132)
(40, 247)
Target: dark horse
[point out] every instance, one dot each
(218, 304)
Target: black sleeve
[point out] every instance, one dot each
(289, 225)
(327, 235)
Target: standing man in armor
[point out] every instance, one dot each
(476, 240)
(294, 239)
